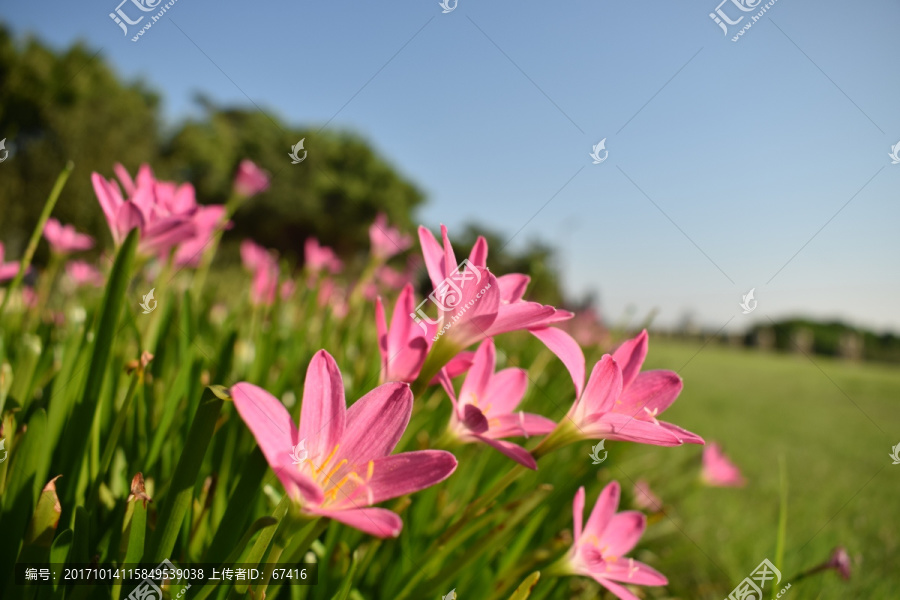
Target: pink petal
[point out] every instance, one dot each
(405, 343)
(475, 386)
(634, 572)
(433, 255)
(513, 451)
(458, 365)
(519, 424)
(324, 411)
(512, 287)
(271, 425)
(616, 426)
(379, 522)
(567, 350)
(409, 472)
(650, 390)
(630, 356)
(684, 435)
(620, 591)
(521, 315)
(128, 217)
(474, 419)
(505, 391)
(603, 387)
(375, 423)
(122, 173)
(578, 513)
(474, 314)
(479, 253)
(623, 532)
(603, 510)
(109, 197)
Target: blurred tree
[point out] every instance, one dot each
(333, 194)
(55, 107)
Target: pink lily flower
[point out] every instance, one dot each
(718, 470)
(207, 219)
(265, 272)
(620, 403)
(599, 546)
(404, 346)
(320, 257)
(64, 239)
(493, 305)
(8, 270)
(347, 466)
(644, 498)
(484, 411)
(387, 241)
(82, 273)
(250, 180)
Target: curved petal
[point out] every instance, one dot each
(474, 419)
(375, 423)
(408, 472)
(512, 287)
(578, 513)
(623, 532)
(603, 387)
(519, 424)
(109, 197)
(379, 522)
(275, 433)
(472, 318)
(630, 356)
(603, 510)
(521, 315)
(567, 350)
(513, 451)
(505, 391)
(128, 217)
(323, 412)
(634, 572)
(479, 253)
(616, 426)
(684, 435)
(620, 591)
(474, 388)
(650, 390)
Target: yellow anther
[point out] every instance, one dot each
(335, 469)
(328, 460)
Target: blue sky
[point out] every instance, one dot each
(757, 164)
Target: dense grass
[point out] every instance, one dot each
(833, 423)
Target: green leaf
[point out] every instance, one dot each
(178, 497)
(524, 590)
(21, 494)
(42, 527)
(347, 582)
(239, 505)
(77, 430)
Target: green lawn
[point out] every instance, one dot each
(833, 423)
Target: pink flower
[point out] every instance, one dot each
(404, 346)
(840, 561)
(644, 498)
(391, 278)
(485, 409)
(320, 257)
(718, 470)
(265, 271)
(600, 546)
(64, 238)
(386, 240)
(347, 466)
(166, 214)
(250, 180)
(8, 270)
(82, 273)
(474, 305)
(621, 403)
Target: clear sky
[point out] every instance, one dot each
(761, 163)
